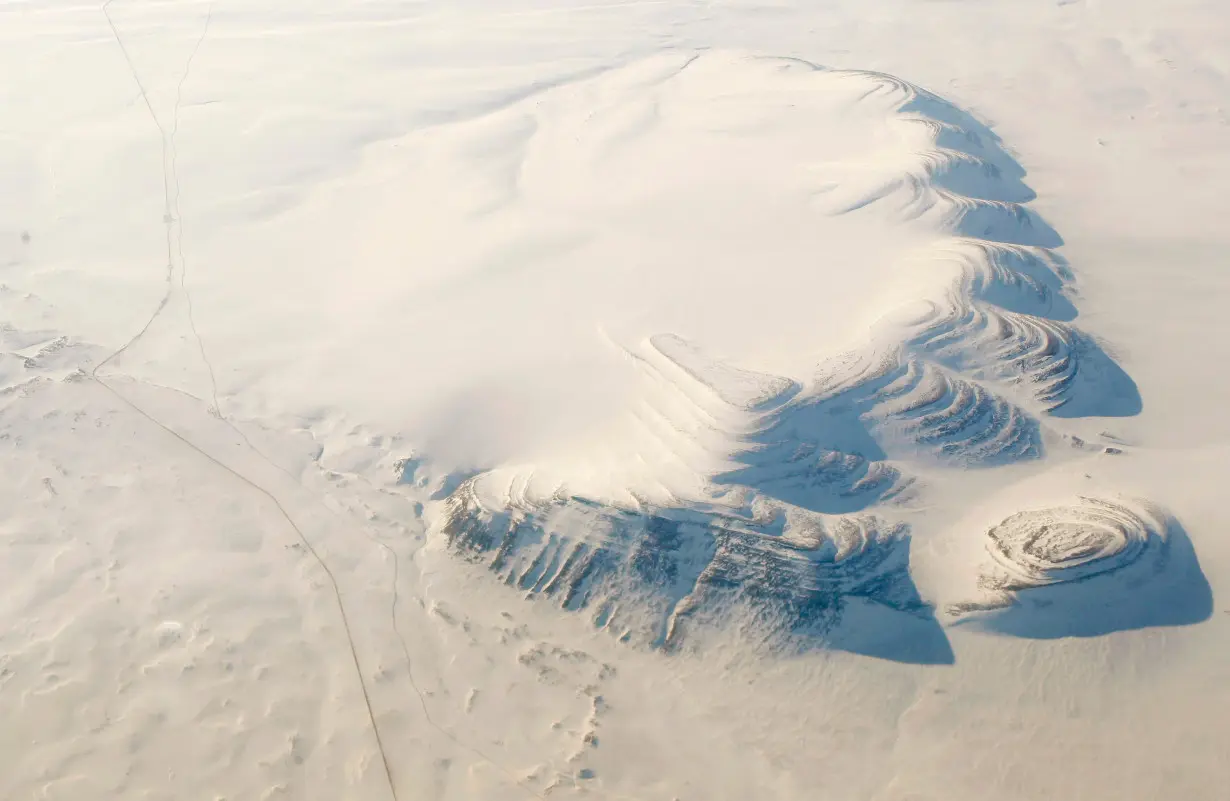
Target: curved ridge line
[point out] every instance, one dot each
(1052, 367)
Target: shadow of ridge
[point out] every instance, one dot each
(1102, 387)
(996, 215)
(866, 604)
(863, 626)
(1108, 389)
(1049, 271)
(966, 130)
(870, 629)
(1006, 223)
(786, 460)
(1177, 593)
(789, 459)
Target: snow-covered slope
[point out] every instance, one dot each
(725, 485)
(655, 400)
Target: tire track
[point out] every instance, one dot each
(172, 217)
(168, 220)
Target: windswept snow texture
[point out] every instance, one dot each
(643, 573)
(787, 493)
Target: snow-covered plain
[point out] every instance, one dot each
(629, 400)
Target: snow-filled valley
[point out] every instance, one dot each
(626, 400)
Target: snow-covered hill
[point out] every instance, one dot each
(654, 400)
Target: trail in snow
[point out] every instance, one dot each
(173, 217)
(168, 165)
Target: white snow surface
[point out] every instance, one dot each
(616, 400)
